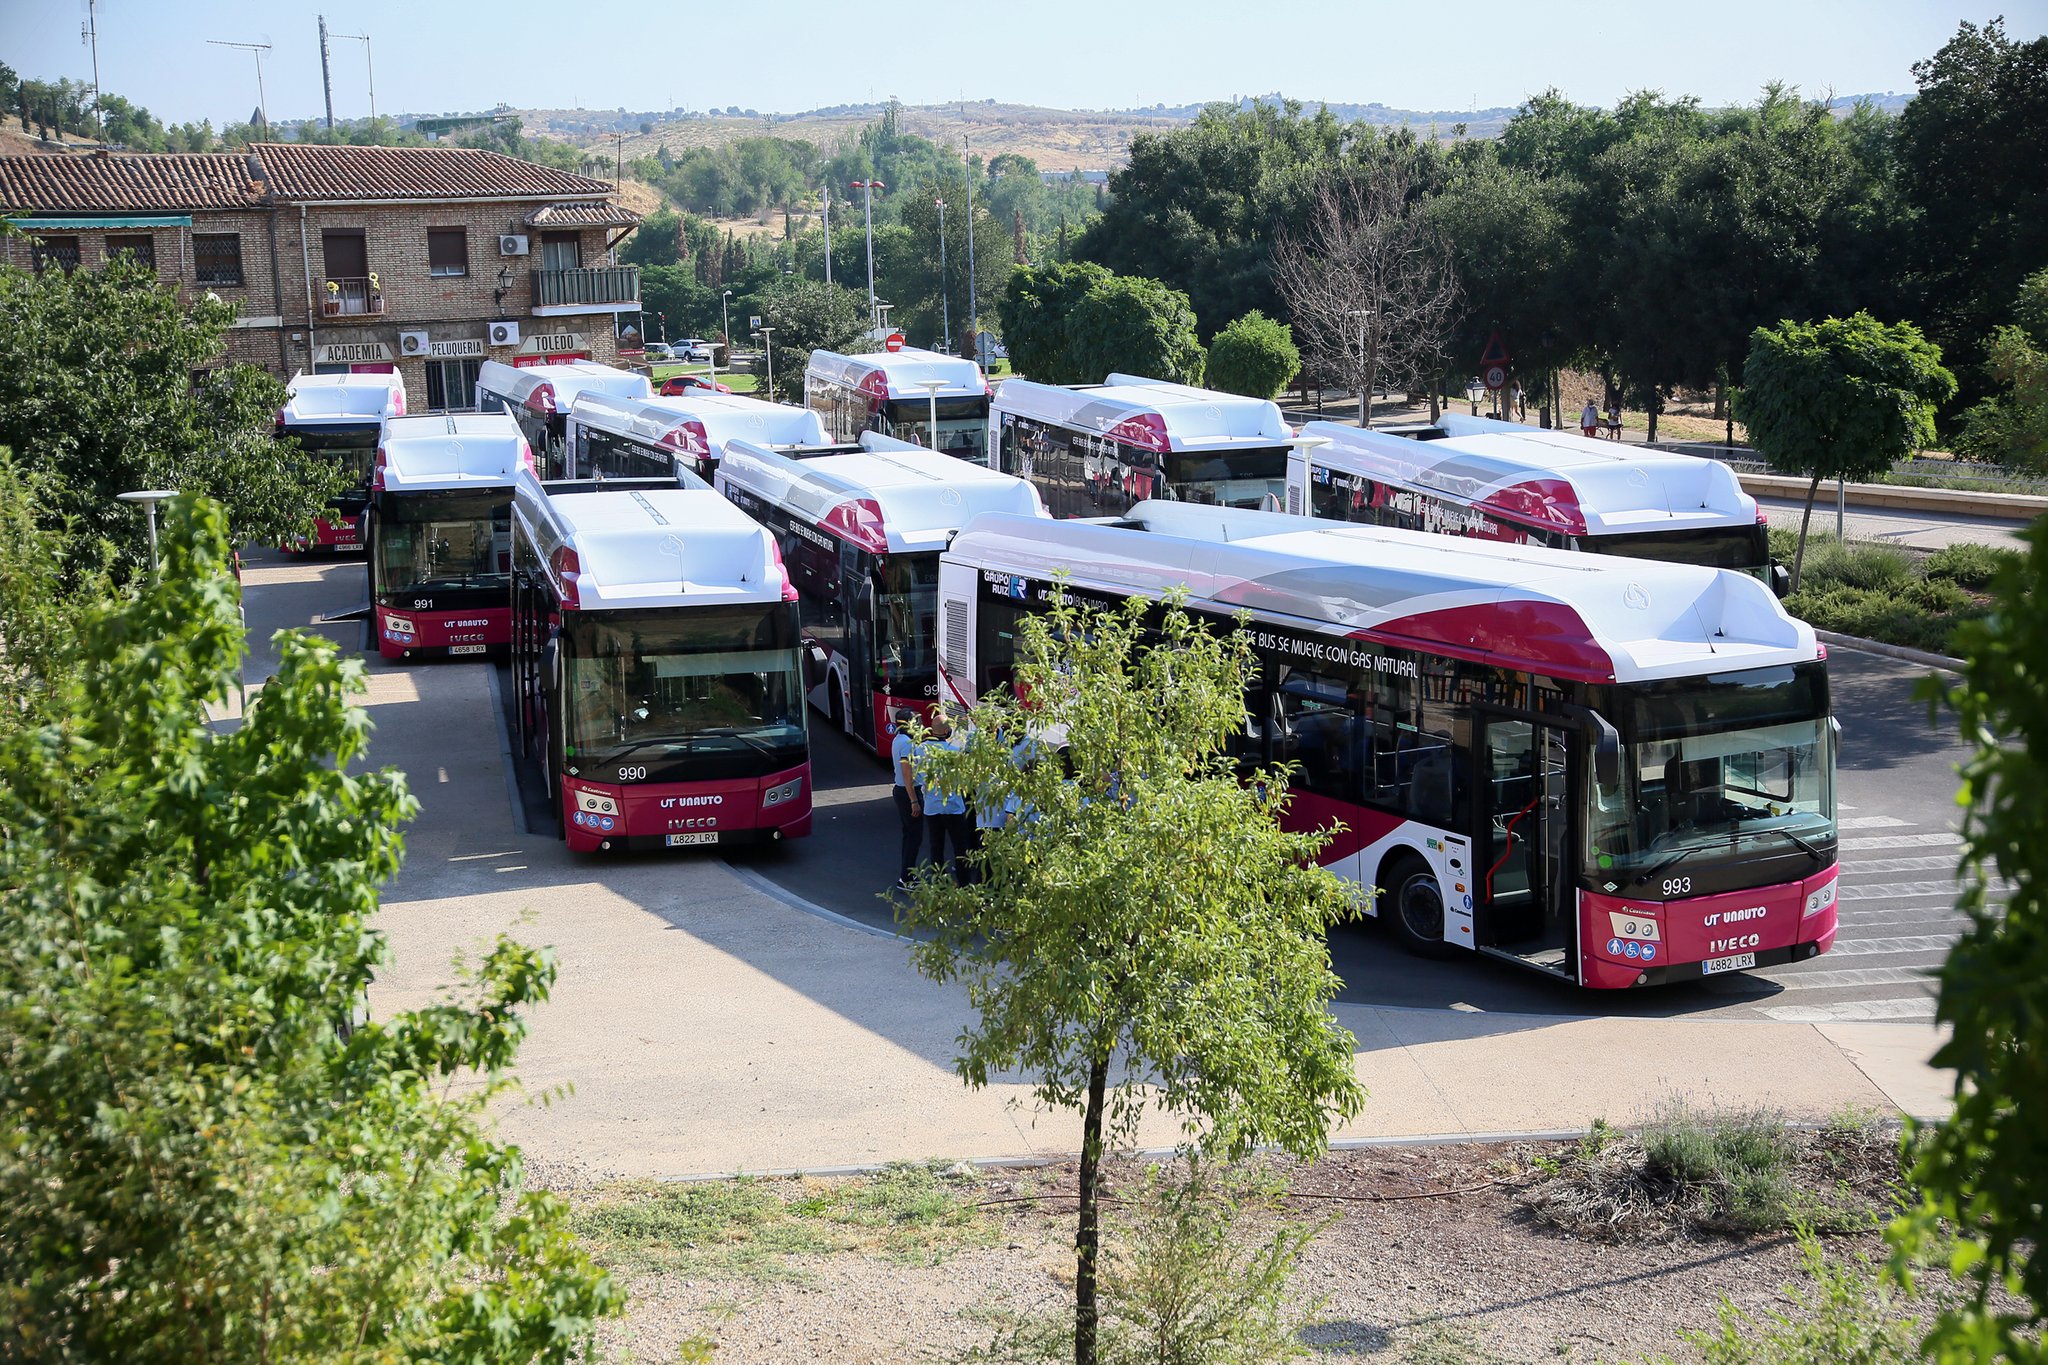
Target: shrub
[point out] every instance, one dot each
(1968, 566)
(1254, 356)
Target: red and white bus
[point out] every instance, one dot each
(340, 418)
(1098, 449)
(896, 393)
(644, 438)
(1614, 771)
(861, 533)
(1503, 481)
(440, 534)
(539, 398)
(657, 665)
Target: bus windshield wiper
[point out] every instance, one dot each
(1812, 849)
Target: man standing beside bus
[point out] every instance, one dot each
(909, 801)
(944, 812)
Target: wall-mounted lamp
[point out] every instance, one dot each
(504, 286)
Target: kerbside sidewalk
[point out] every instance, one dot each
(702, 1026)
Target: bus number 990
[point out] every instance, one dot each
(1678, 886)
(632, 774)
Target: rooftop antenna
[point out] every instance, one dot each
(89, 34)
(368, 66)
(255, 50)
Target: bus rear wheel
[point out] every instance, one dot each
(1415, 902)
(835, 706)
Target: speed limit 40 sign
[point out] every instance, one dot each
(1496, 377)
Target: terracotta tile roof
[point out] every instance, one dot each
(581, 216)
(129, 182)
(300, 172)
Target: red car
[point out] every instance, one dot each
(686, 383)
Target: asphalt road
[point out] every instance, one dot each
(1892, 526)
(1899, 848)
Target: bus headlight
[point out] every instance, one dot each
(398, 627)
(597, 803)
(1821, 899)
(782, 792)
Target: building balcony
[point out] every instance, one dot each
(590, 289)
(347, 298)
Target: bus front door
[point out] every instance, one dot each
(860, 593)
(1526, 906)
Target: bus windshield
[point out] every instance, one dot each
(353, 447)
(1236, 478)
(697, 683)
(1716, 547)
(906, 619)
(1717, 768)
(963, 426)
(444, 542)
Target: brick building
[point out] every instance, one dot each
(423, 260)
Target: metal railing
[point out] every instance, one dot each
(587, 284)
(353, 298)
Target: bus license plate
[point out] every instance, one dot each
(682, 840)
(1727, 964)
(465, 649)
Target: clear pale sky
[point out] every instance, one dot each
(789, 55)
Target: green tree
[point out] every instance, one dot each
(1136, 326)
(1144, 932)
(203, 1160)
(2011, 427)
(1255, 356)
(96, 387)
(808, 315)
(1841, 398)
(1982, 1175)
(1034, 310)
(1970, 147)
(657, 241)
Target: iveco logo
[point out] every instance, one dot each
(1636, 596)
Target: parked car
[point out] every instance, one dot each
(693, 348)
(691, 383)
(659, 350)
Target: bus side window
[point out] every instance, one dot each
(1319, 726)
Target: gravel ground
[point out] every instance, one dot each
(1428, 1259)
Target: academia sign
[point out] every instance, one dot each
(351, 353)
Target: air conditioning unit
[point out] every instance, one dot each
(412, 343)
(512, 244)
(504, 334)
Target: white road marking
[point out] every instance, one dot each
(1918, 943)
(1903, 841)
(1921, 1007)
(1871, 822)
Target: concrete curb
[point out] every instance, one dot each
(2001, 506)
(795, 902)
(1900, 652)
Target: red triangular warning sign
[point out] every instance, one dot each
(1496, 352)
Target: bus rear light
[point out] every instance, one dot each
(399, 628)
(569, 570)
(782, 792)
(377, 474)
(788, 587)
(526, 459)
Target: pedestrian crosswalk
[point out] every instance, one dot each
(1897, 905)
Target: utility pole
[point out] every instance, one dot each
(867, 190)
(828, 234)
(91, 35)
(255, 50)
(945, 307)
(326, 73)
(369, 67)
(973, 307)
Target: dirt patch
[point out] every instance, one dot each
(1430, 1255)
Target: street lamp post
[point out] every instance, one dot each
(724, 329)
(931, 389)
(768, 354)
(973, 307)
(1364, 315)
(828, 234)
(945, 308)
(867, 190)
(149, 498)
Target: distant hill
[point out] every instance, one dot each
(1057, 139)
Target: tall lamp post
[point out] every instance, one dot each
(828, 234)
(945, 306)
(867, 190)
(149, 498)
(768, 354)
(931, 389)
(1364, 315)
(724, 329)
(973, 308)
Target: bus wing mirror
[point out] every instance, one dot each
(864, 603)
(1606, 743)
(1781, 580)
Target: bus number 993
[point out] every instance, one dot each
(1678, 886)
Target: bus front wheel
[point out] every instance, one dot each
(1410, 891)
